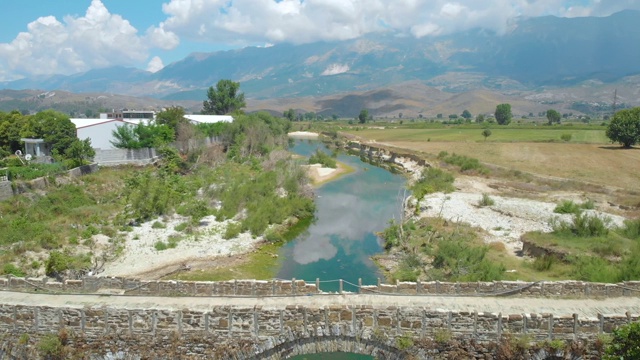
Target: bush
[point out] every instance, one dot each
(567, 207)
(320, 157)
(565, 137)
(13, 270)
(160, 245)
(624, 343)
(582, 225)
(544, 263)
(432, 180)
(51, 347)
(465, 163)
(486, 201)
(631, 229)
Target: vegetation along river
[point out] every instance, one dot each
(350, 210)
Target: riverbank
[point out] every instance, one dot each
(320, 175)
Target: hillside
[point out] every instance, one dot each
(538, 53)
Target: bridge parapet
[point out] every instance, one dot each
(275, 331)
(277, 287)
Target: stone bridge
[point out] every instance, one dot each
(279, 319)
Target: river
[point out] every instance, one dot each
(340, 243)
(350, 210)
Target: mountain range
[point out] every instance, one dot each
(544, 60)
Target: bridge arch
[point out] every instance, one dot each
(328, 344)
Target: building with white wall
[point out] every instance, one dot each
(100, 131)
(208, 119)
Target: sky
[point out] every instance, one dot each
(46, 37)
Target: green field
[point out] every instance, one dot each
(579, 134)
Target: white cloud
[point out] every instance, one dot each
(76, 44)
(155, 64)
(298, 21)
(335, 69)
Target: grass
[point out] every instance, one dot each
(473, 133)
(261, 264)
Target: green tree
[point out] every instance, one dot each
(225, 98)
(54, 127)
(171, 117)
(79, 152)
(486, 133)
(466, 114)
(553, 116)
(290, 114)
(625, 343)
(503, 114)
(141, 136)
(363, 116)
(624, 128)
(480, 118)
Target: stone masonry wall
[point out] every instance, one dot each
(269, 328)
(573, 289)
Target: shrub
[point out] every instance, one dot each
(566, 207)
(565, 137)
(465, 163)
(320, 157)
(544, 263)
(404, 342)
(13, 270)
(158, 225)
(624, 343)
(51, 347)
(160, 245)
(582, 225)
(588, 205)
(631, 228)
(432, 180)
(486, 201)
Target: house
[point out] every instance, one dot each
(208, 119)
(100, 131)
(36, 148)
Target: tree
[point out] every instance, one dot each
(466, 114)
(625, 343)
(553, 116)
(439, 116)
(480, 118)
(503, 114)
(54, 127)
(224, 99)
(290, 114)
(79, 152)
(364, 116)
(171, 117)
(624, 128)
(486, 133)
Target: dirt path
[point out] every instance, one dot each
(585, 308)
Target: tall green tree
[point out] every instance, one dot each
(363, 116)
(503, 114)
(54, 127)
(466, 114)
(290, 115)
(171, 117)
(553, 116)
(624, 128)
(225, 98)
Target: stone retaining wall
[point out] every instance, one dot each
(559, 289)
(270, 329)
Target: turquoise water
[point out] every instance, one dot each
(350, 210)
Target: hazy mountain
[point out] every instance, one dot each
(534, 57)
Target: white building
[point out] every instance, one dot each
(208, 119)
(100, 131)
